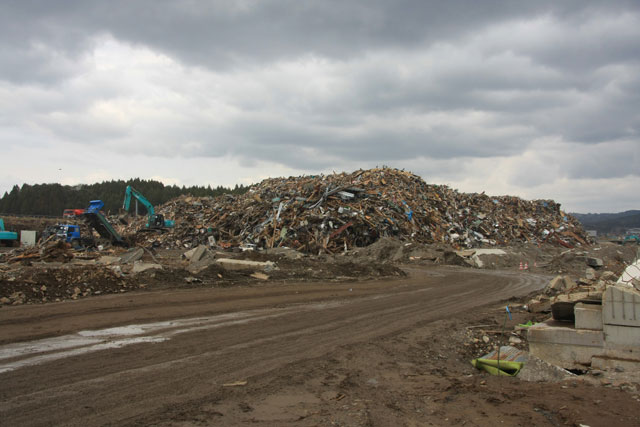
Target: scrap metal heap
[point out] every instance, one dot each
(331, 213)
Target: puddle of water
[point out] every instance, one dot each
(46, 345)
(49, 349)
(6, 367)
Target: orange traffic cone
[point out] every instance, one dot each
(526, 265)
(520, 265)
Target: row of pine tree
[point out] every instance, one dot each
(53, 199)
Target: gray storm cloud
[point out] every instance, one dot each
(317, 85)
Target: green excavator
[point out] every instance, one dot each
(155, 222)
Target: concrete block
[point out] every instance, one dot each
(562, 345)
(622, 341)
(594, 262)
(197, 253)
(564, 355)
(559, 284)
(611, 363)
(27, 238)
(564, 333)
(537, 370)
(621, 306)
(197, 267)
(241, 264)
(481, 252)
(588, 316)
(538, 306)
(139, 267)
(132, 255)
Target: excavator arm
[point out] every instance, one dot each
(154, 221)
(129, 192)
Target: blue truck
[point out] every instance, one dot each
(70, 233)
(96, 220)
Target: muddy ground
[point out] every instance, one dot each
(382, 336)
(366, 353)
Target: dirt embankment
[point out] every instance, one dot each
(57, 272)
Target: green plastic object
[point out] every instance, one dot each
(526, 325)
(510, 363)
(507, 369)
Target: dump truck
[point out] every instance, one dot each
(97, 221)
(70, 233)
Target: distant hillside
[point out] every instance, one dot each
(610, 223)
(52, 199)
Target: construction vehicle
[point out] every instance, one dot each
(72, 213)
(97, 221)
(154, 221)
(7, 237)
(631, 238)
(70, 233)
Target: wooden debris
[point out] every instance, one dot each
(327, 213)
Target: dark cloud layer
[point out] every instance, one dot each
(313, 85)
(231, 33)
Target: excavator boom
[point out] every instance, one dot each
(130, 191)
(154, 221)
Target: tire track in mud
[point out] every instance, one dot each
(143, 379)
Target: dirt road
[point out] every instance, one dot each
(360, 353)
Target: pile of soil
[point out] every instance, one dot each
(48, 283)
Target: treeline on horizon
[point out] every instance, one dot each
(53, 199)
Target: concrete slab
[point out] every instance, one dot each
(241, 264)
(562, 345)
(132, 255)
(588, 316)
(198, 253)
(559, 284)
(611, 363)
(139, 267)
(197, 267)
(537, 370)
(631, 275)
(621, 306)
(481, 252)
(539, 304)
(622, 341)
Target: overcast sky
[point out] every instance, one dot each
(538, 99)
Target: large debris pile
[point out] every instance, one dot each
(330, 213)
